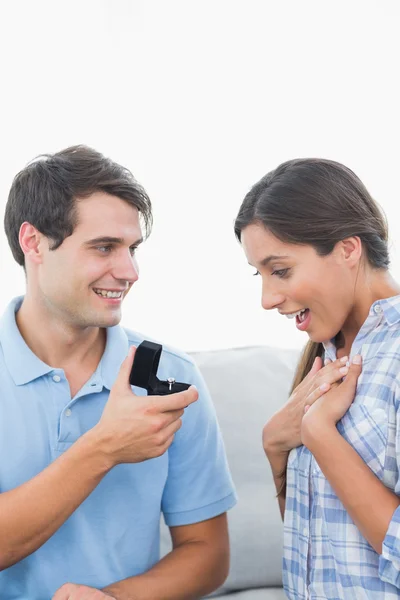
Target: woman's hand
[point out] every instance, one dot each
(283, 431)
(323, 414)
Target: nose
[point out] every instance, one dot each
(126, 268)
(271, 298)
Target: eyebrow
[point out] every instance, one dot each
(265, 261)
(110, 240)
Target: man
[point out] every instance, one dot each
(86, 463)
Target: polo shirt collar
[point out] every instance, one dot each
(24, 366)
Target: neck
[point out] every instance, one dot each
(375, 285)
(55, 342)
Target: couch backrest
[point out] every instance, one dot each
(247, 386)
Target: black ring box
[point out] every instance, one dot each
(144, 371)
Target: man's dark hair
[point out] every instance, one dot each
(45, 192)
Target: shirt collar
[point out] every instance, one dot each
(24, 366)
(390, 307)
(387, 309)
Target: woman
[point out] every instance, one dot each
(320, 245)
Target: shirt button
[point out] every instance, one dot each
(68, 412)
(305, 531)
(56, 378)
(377, 309)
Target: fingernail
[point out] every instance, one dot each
(324, 387)
(344, 370)
(357, 359)
(344, 359)
(306, 408)
(327, 361)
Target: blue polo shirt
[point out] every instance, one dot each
(114, 533)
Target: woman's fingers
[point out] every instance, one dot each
(321, 378)
(316, 393)
(317, 366)
(320, 391)
(339, 404)
(333, 371)
(330, 376)
(320, 373)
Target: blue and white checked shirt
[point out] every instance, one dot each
(325, 555)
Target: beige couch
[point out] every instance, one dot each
(247, 386)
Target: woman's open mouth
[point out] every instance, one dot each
(303, 319)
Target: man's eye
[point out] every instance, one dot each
(104, 249)
(133, 250)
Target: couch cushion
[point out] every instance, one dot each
(247, 386)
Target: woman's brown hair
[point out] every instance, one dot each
(316, 202)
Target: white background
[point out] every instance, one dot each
(200, 99)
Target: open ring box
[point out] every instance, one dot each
(144, 372)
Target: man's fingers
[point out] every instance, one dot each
(122, 380)
(61, 595)
(172, 428)
(71, 591)
(171, 416)
(177, 401)
(65, 591)
(169, 435)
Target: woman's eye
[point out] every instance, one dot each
(256, 273)
(281, 273)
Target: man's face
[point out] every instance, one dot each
(84, 281)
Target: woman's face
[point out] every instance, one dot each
(295, 278)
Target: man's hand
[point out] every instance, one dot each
(71, 591)
(330, 408)
(135, 428)
(283, 431)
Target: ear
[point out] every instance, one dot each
(350, 250)
(31, 242)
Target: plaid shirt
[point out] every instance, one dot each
(325, 555)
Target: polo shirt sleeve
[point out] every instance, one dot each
(199, 485)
